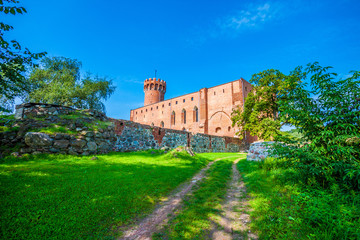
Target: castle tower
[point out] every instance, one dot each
(154, 90)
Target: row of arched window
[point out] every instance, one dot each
(183, 117)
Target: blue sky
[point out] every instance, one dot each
(192, 44)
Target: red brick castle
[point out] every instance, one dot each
(206, 111)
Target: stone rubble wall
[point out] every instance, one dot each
(133, 136)
(259, 150)
(118, 135)
(27, 110)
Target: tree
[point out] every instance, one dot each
(260, 114)
(328, 117)
(13, 60)
(58, 81)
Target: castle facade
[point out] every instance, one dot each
(206, 111)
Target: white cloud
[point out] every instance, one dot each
(250, 17)
(133, 80)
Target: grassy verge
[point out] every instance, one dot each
(194, 220)
(70, 197)
(283, 208)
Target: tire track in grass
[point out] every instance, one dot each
(194, 219)
(233, 222)
(161, 215)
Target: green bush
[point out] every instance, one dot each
(328, 118)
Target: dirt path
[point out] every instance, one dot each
(152, 223)
(233, 223)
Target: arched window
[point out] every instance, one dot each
(173, 118)
(196, 114)
(183, 116)
(218, 129)
(229, 128)
(162, 124)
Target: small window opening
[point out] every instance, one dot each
(192, 99)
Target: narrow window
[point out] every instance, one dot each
(157, 107)
(141, 111)
(223, 90)
(192, 99)
(146, 110)
(176, 102)
(183, 116)
(151, 109)
(163, 105)
(173, 118)
(169, 104)
(183, 100)
(162, 124)
(245, 88)
(214, 93)
(195, 114)
(136, 112)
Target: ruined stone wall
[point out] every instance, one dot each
(133, 136)
(83, 134)
(40, 109)
(259, 150)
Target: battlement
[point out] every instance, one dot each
(154, 80)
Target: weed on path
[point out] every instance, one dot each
(145, 229)
(232, 222)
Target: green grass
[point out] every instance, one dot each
(194, 221)
(71, 197)
(53, 129)
(286, 209)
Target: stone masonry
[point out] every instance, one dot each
(115, 135)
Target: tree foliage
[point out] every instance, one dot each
(58, 81)
(259, 116)
(14, 60)
(328, 117)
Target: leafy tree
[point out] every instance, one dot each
(328, 117)
(260, 114)
(59, 81)
(14, 60)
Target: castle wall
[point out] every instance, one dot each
(116, 135)
(133, 136)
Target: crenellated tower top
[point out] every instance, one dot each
(154, 89)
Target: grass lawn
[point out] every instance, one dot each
(194, 220)
(284, 208)
(70, 197)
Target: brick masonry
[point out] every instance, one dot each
(207, 111)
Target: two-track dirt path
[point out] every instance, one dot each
(153, 222)
(231, 224)
(234, 220)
